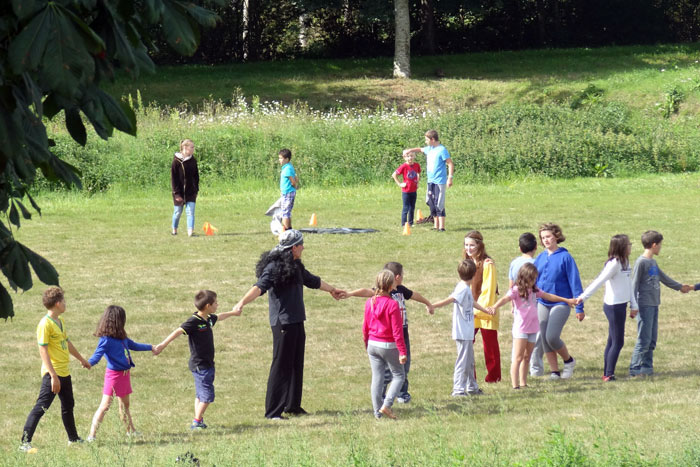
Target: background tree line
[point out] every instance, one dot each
(282, 29)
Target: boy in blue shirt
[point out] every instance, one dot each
(288, 186)
(440, 174)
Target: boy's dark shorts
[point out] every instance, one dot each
(204, 384)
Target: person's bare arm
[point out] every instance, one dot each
(250, 295)
(74, 352)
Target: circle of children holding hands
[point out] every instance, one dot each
(542, 290)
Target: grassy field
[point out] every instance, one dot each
(637, 75)
(570, 113)
(115, 247)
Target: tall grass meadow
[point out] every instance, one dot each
(346, 147)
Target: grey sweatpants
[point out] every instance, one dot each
(464, 378)
(552, 321)
(379, 358)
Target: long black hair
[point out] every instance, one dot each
(286, 267)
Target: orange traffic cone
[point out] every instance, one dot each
(406, 229)
(313, 222)
(209, 229)
(419, 216)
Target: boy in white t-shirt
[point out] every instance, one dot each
(463, 330)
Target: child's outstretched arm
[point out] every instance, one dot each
(173, 335)
(421, 299)
(501, 301)
(485, 310)
(449, 300)
(556, 298)
(366, 293)
(74, 352)
(226, 314)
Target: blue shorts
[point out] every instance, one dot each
(204, 384)
(288, 204)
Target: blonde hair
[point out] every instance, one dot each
(383, 284)
(185, 141)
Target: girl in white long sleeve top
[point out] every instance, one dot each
(616, 276)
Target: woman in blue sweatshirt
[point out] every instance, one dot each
(115, 346)
(558, 275)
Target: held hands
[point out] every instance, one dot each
(85, 364)
(339, 294)
(633, 313)
(157, 349)
(490, 310)
(237, 309)
(430, 309)
(687, 288)
(403, 359)
(573, 301)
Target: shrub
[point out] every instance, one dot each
(342, 147)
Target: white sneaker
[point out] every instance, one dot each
(568, 369)
(90, 439)
(554, 377)
(27, 447)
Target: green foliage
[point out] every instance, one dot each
(561, 452)
(590, 96)
(55, 57)
(671, 102)
(343, 147)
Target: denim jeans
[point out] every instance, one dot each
(409, 207)
(177, 212)
(616, 315)
(647, 331)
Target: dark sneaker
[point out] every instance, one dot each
(198, 425)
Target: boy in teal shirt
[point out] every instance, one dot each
(288, 186)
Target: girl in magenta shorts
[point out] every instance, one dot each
(116, 347)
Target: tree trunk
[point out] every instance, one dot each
(251, 29)
(402, 41)
(428, 27)
(303, 39)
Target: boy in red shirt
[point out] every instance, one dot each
(411, 174)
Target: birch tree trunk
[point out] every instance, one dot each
(402, 42)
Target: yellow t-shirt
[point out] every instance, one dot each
(52, 334)
(486, 299)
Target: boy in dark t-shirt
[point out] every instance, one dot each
(201, 341)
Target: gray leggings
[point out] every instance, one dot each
(379, 358)
(552, 320)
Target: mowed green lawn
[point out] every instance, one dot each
(115, 248)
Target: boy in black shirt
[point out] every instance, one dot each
(201, 340)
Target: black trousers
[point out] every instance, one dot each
(43, 403)
(284, 385)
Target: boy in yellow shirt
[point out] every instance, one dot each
(54, 348)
